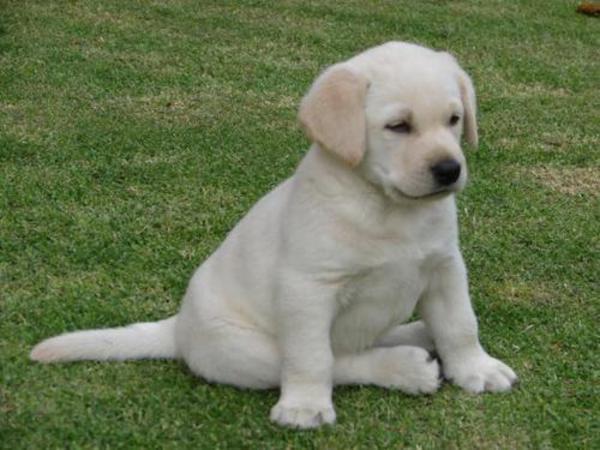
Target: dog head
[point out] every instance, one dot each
(396, 113)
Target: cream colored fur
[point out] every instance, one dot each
(313, 286)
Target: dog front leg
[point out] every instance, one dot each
(447, 311)
(305, 312)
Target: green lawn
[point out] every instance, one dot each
(135, 134)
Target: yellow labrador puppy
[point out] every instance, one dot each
(312, 287)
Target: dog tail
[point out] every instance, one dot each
(136, 341)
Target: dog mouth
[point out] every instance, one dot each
(430, 195)
(391, 189)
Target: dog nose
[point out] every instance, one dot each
(446, 172)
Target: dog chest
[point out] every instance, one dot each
(373, 301)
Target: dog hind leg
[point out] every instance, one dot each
(249, 358)
(413, 333)
(232, 354)
(406, 368)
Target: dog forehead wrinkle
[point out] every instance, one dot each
(390, 111)
(387, 98)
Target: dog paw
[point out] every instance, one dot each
(302, 415)
(411, 370)
(481, 373)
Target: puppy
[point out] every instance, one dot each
(312, 287)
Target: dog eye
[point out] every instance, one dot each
(454, 119)
(400, 127)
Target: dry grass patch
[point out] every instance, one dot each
(514, 291)
(523, 140)
(568, 180)
(206, 105)
(500, 85)
(28, 121)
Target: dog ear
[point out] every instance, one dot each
(467, 94)
(332, 113)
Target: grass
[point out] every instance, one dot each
(135, 134)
